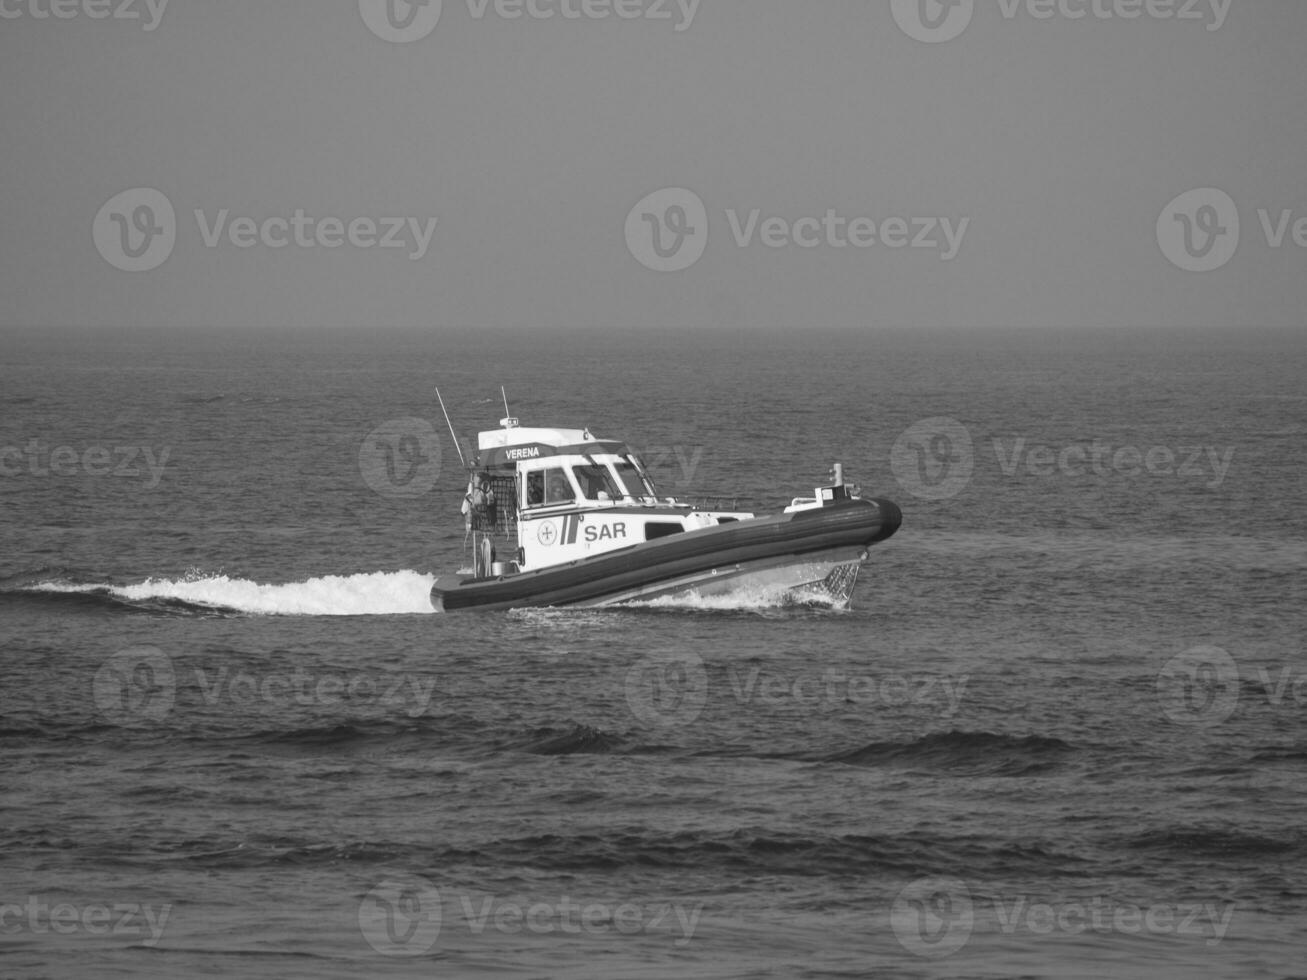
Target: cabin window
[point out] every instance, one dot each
(596, 480)
(661, 529)
(535, 489)
(558, 489)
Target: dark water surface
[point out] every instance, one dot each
(1061, 732)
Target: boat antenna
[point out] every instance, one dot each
(452, 434)
(507, 413)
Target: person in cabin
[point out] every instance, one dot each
(474, 504)
(535, 489)
(560, 491)
(469, 507)
(491, 505)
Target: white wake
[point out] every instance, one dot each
(369, 594)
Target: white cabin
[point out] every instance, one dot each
(543, 496)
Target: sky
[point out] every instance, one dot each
(629, 164)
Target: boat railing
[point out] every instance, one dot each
(713, 502)
(694, 501)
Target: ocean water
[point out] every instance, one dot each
(1062, 730)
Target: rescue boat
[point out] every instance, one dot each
(560, 517)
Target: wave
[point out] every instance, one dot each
(760, 850)
(575, 740)
(744, 852)
(366, 594)
(964, 753)
(1278, 753)
(1213, 843)
(580, 740)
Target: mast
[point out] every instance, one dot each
(452, 434)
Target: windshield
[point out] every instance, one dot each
(596, 480)
(632, 474)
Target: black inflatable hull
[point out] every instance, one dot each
(836, 534)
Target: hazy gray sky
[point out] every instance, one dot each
(1032, 158)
